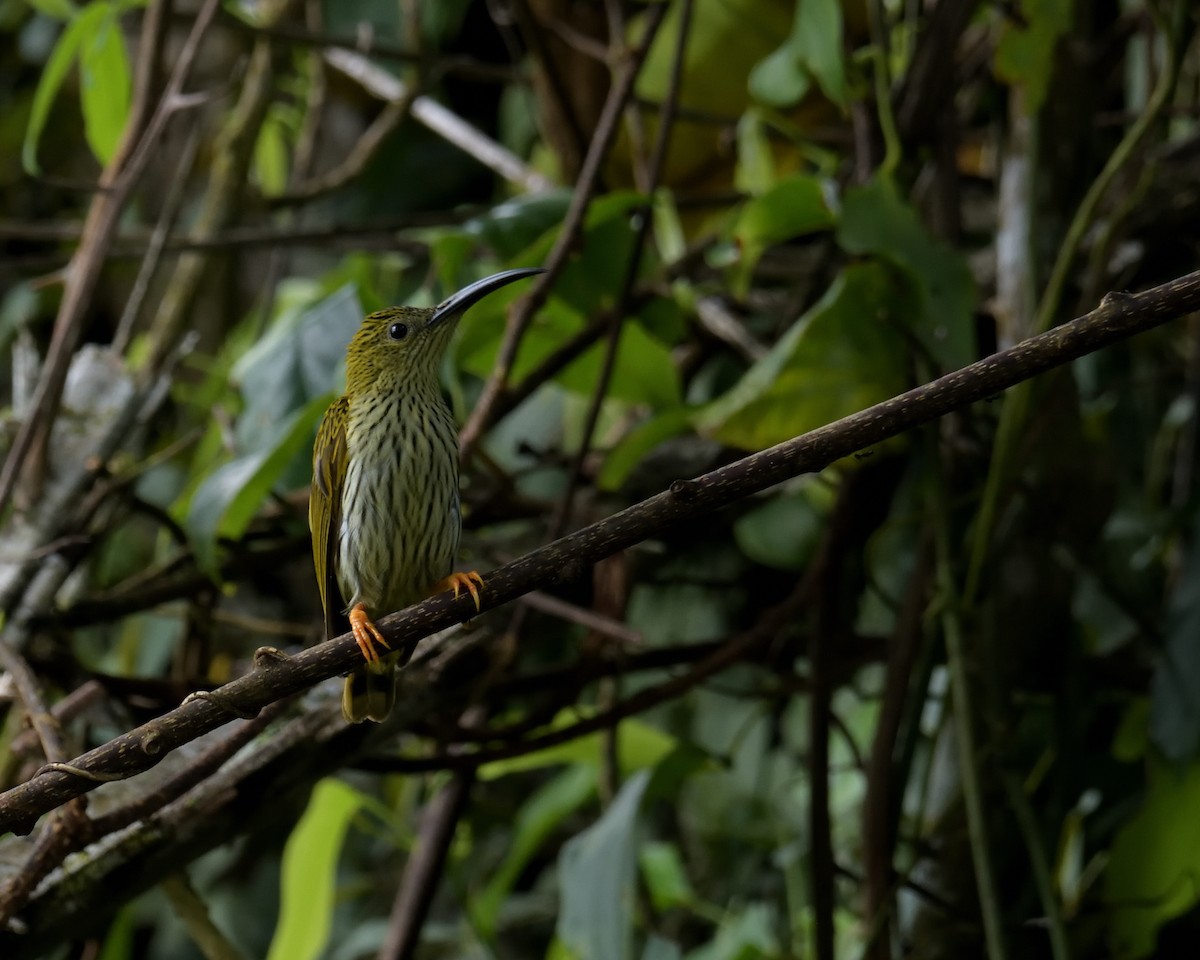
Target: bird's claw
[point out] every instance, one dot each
(366, 634)
(458, 582)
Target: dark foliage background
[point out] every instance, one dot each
(939, 700)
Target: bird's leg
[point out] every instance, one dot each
(366, 634)
(471, 582)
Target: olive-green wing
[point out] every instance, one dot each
(325, 510)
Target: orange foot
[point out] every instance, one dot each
(366, 634)
(459, 582)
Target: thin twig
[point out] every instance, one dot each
(116, 183)
(522, 312)
(445, 123)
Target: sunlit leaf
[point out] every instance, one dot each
(271, 153)
(52, 79)
(597, 879)
(1155, 861)
(104, 82)
(308, 874)
(813, 51)
(665, 875)
(639, 746)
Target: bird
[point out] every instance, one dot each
(384, 503)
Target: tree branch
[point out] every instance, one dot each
(1118, 317)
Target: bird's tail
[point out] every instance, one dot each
(369, 692)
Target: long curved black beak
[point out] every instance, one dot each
(457, 303)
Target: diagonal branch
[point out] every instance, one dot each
(1118, 317)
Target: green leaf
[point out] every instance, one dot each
(794, 207)
(308, 874)
(780, 80)
(58, 9)
(52, 78)
(783, 532)
(665, 875)
(298, 359)
(639, 746)
(271, 152)
(597, 879)
(632, 448)
(227, 500)
(539, 816)
(812, 52)
(745, 935)
(510, 227)
(643, 373)
(845, 354)
(876, 221)
(1155, 859)
(755, 171)
(104, 82)
(1025, 53)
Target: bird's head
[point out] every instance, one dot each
(407, 343)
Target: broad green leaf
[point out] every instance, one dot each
(598, 881)
(539, 816)
(876, 220)
(104, 82)
(644, 371)
(511, 227)
(845, 354)
(817, 36)
(813, 51)
(308, 874)
(1155, 859)
(632, 448)
(639, 746)
(780, 79)
(794, 207)
(783, 532)
(52, 78)
(297, 359)
(227, 500)
(1025, 53)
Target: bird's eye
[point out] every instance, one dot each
(398, 331)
